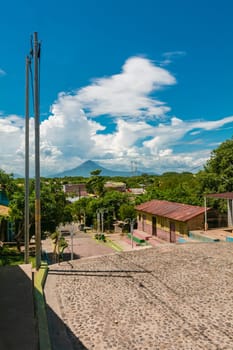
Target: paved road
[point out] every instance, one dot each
(174, 297)
(84, 246)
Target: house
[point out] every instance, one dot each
(115, 186)
(75, 191)
(166, 220)
(136, 191)
(4, 223)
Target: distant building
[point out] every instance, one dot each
(116, 186)
(78, 190)
(166, 220)
(136, 191)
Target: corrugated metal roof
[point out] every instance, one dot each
(171, 210)
(225, 195)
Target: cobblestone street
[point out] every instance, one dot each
(168, 297)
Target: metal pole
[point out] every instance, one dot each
(102, 221)
(131, 230)
(98, 221)
(37, 153)
(72, 243)
(205, 225)
(26, 184)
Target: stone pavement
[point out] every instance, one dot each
(83, 246)
(17, 321)
(173, 297)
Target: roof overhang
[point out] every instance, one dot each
(225, 195)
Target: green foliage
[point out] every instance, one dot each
(127, 211)
(82, 210)
(174, 187)
(96, 172)
(11, 256)
(100, 237)
(95, 184)
(186, 187)
(7, 183)
(218, 172)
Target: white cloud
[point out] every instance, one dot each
(2, 72)
(212, 125)
(168, 57)
(11, 135)
(70, 135)
(174, 54)
(66, 136)
(127, 94)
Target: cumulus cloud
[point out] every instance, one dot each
(127, 94)
(67, 135)
(11, 137)
(73, 133)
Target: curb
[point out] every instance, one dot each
(113, 245)
(40, 306)
(108, 242)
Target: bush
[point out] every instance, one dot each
(100, 237)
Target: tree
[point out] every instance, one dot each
(54, 208)
(218, 172)
(7, 183)
(82, 208)
(127, 211)
(96, 183)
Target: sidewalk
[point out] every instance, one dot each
(17, 319)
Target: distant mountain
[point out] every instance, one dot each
(87, 167)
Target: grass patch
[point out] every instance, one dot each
(11, 256)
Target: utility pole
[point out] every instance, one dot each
(98, 220)
(36, 52)
(26, 214)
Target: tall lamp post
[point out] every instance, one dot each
(72, 241)
(98, 220)
(102, 211)
(131, 222)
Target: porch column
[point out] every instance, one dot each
(229, 212)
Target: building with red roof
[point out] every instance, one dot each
(167, 220)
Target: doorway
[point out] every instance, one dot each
(154, 226)
(172, 232)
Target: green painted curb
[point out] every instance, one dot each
(113, 245)
(109, 243)
(40, 306)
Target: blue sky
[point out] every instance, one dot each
(144, 81)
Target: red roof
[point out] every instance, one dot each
(225, 195)
(171, 210)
